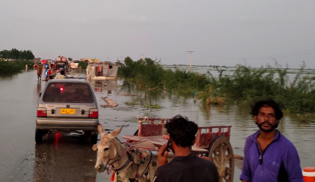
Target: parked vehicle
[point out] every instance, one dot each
(67, 105)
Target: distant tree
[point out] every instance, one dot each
(128, 61)
(29, 55)
(70, 59)
(5, 54)
(22, 54)
(16, 54)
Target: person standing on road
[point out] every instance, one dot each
(269, 156)
(184, 167)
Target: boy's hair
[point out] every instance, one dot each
(269, 102)
(182, 131)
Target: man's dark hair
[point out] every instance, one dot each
(269, 102)
(182, 131)
(62, 72)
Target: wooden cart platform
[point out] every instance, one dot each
(157, 141)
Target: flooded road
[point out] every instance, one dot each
(69, 157)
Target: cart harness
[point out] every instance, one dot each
(134, 156)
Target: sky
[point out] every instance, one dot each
(220, 32)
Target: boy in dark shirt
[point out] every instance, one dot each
(184, 167)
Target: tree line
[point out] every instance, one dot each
(16, 54)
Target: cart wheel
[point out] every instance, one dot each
(221, 153)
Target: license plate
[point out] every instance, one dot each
(67, 111)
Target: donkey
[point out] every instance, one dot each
(110, 151)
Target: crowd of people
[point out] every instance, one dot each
(52, 70)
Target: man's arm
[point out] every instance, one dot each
(246, 172)
(162, 155)
(292, 165)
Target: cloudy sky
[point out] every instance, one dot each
(220, 32)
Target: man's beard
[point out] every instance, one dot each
(264, 130)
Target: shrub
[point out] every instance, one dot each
(244, 84)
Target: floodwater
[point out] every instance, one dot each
(69, 157)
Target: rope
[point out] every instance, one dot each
(128, 162)
(146, 168)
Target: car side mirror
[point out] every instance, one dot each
(40, 94)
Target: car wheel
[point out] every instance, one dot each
(39, 136)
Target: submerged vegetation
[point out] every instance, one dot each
(244, 84)
(13, 61)
(150, 74)
(148, 106)
(14, 66)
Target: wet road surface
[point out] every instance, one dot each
(69, 157)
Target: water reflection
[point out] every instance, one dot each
(104, 86)
(154, 96)
(64, 157)
(8, 76)
(38, 90)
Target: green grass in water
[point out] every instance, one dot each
(245, 84)
(14, 66)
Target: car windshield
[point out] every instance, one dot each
(68, 93)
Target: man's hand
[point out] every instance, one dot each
(162, 155)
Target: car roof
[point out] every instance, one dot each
(68, 81)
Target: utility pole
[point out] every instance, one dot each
(142, 57)
(190, 60)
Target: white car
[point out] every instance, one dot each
(67, 105)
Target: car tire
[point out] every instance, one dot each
(93, 139)
(39, 136)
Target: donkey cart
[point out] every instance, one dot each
(211, 141)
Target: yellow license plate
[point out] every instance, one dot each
(67, 111)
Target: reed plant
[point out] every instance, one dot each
(7, 67)
(150, 74)
(245, 84)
